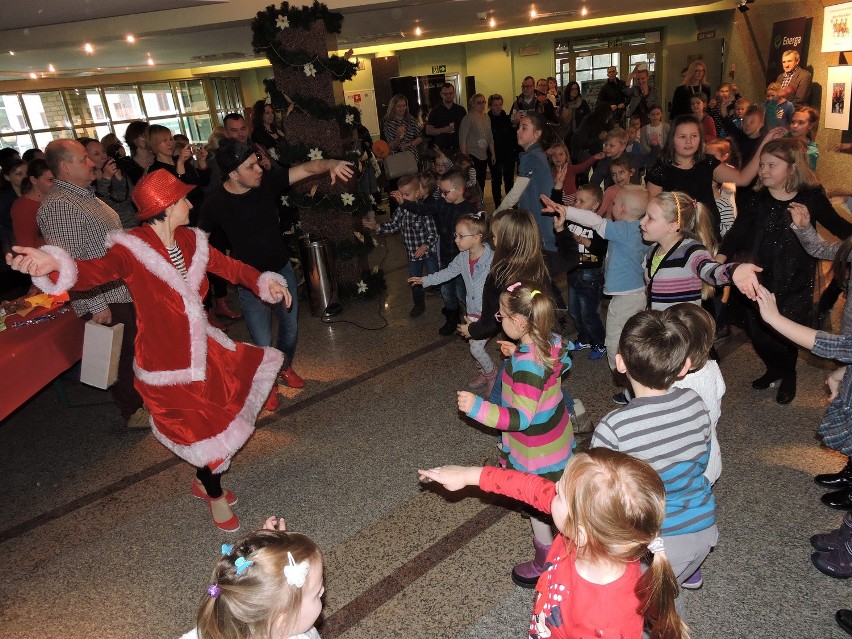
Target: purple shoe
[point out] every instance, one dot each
(526, 574)
(694, 582)
(837, 564)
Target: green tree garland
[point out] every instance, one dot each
(343, 114)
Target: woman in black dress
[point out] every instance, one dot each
(693, 83)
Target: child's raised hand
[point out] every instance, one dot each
(799, 214)
(559, 220)
(415, 281)
(367, 223)
(550, 206)
(397, 196)
(452, 477)
(275, 523)
(745, 279)
(466, 401)
(766, 303)
(507, 348)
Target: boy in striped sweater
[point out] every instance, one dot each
(670, 429)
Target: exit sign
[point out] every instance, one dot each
(440, 68)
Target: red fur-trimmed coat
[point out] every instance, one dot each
(203, 390)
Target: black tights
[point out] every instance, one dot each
(778, 354)
(212, 481)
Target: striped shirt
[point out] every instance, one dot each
(176, 257)
(670, 432)
(680, 273)
(74, 219)
(537, 434)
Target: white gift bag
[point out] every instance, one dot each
(101, 351)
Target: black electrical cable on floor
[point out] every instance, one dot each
(382, 298)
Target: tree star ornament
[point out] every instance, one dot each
(348, 199)
(282, 22)
(284, 201)
(362, 287)
(315, 154)
(350, 119)
(273, 154)
(310, 70)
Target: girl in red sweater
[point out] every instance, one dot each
(609, 508)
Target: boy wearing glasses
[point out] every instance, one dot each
(419, 236)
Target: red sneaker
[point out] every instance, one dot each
(199, 493)
(290, 378)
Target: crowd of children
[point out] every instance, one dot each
(619, 529)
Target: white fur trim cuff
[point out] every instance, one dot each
(263, 285)
(67, 272)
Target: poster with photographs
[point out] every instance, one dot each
(837, 28)
(837, 95)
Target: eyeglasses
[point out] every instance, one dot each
(457, 236)
(443, 192)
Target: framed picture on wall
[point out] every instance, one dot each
(837, 28)
(838, 90)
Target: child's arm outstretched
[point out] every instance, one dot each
(516, 417)
(444, 275)
(514, 196)
(589, 219)
(808, 236)
(798, 333)
(530, 489)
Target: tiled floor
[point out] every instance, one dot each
(101, 537)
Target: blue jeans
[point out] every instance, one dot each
(415, 269)
(584, 298)
(453, 291)
(258, 316)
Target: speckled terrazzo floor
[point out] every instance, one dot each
(101, 537)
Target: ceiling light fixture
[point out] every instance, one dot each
(742, 5)
(130, 38)
(584, 12)
(51, 68)
(88, 48)
(150, 61)
(33, 76)
(11, 53)
(492, 22)
(417, 30)
(533, 12)
(571, 12)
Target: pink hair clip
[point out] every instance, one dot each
(512, 287)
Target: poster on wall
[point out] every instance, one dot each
(837, 95)
(837, 28)
(787, 35)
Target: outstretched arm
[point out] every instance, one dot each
(336, 169)
(801, 335)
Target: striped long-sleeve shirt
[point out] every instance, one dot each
(678, 278)
(537, 434)
(671, 432)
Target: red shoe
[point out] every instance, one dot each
(220, 305)
(213, 321)
(199, 493)
(290, 378)
(273, 401)
(231, 525)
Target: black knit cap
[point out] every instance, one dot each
(230, 154)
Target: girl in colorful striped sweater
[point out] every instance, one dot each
(681, 258)
(537, 435)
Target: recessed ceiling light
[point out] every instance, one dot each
(584, 11)
(417, 30)
(150, 62)
(11, 53)
(492, 23)
(51, 68)
(88, 48)
(130, 38)
(533, 12)
(33, 76)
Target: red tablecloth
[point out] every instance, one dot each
(33, 356)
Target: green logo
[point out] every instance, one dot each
(777, 42)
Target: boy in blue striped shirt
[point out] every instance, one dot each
(669, 428)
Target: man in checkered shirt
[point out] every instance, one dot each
(795, 77)
(71, 217)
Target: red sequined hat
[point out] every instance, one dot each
(156, 192)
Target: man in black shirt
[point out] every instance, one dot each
(444, 120)
(245, 208)
(614, 93)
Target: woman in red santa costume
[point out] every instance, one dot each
(203, 390)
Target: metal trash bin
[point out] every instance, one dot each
(320, 280)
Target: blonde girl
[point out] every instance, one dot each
(473, 263)
(681, 255)
(537, 436)
(269, 585)
(565, 173)
(694, 82)
(609, 508)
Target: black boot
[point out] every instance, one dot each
(786, 389)
(842, 479)
(450, 325)
(839, 499)
(765, 381)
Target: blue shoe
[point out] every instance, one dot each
(620, 399)
(597, 352)
(578, 346)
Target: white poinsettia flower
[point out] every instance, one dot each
(375, 242)
(348, 199)
(350, 119)
(285, 201)
(359, 236)
(362, 287)
(372, 200)
(315, 154)
(282, 22)
(309, 69)
(273, 154)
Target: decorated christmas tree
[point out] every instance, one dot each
(305, 90)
